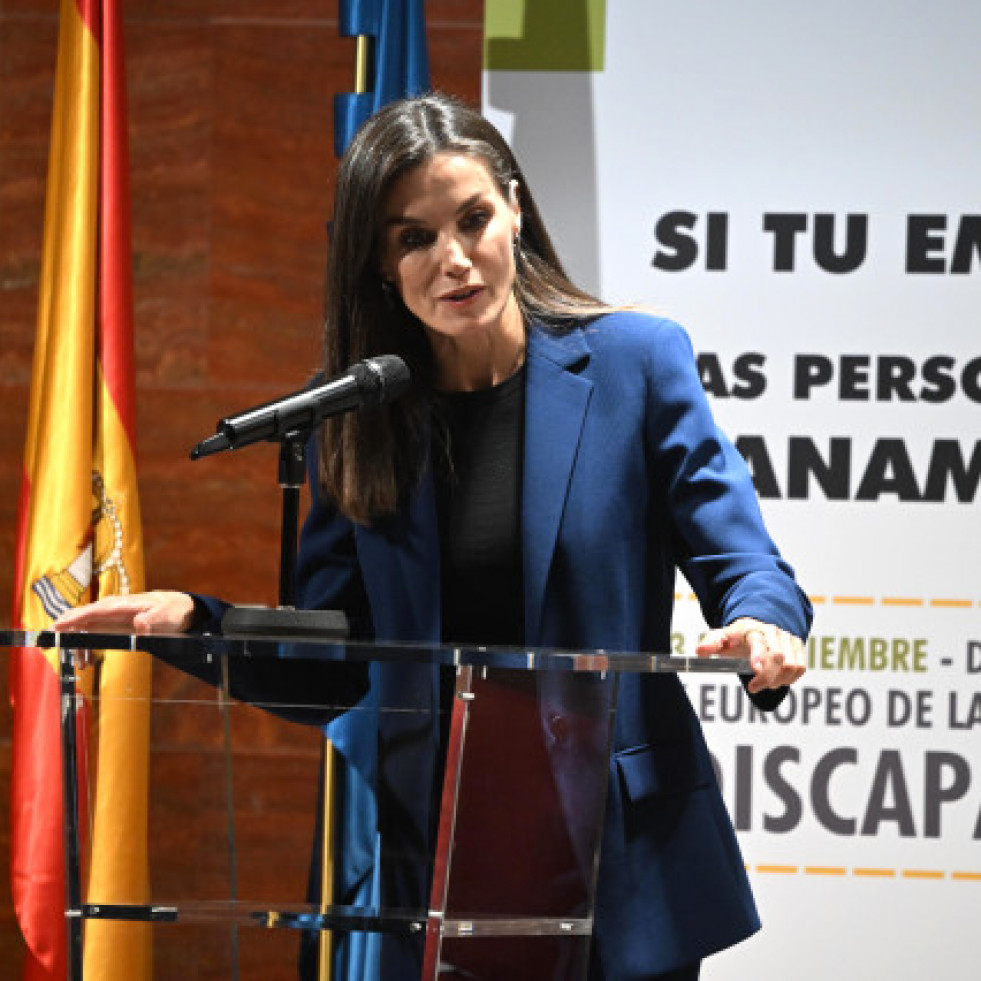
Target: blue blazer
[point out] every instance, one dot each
(626, 479)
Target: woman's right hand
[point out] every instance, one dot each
(157, 612)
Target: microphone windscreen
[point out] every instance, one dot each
(381, 379)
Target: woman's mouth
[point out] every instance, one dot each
(461, 297)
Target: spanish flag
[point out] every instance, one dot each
(79, 527)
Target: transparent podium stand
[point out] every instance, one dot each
(449, 826)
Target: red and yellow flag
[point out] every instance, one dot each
(79, 526)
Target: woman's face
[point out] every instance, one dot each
(447, 245)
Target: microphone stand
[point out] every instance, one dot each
(286, 622)
(292, 472)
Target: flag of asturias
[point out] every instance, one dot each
(79, 531)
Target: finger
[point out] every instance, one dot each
(785, 662)
(755, 638)
(765, 657)
(764, 676)
(758, 645)
(795, 662)
(171, 613)
(731, 638)
(153, 620)
(713, 642)
(143, 623)
(109, 613)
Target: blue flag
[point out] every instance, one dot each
(400, 65)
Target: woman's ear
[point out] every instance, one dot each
(388, 290)
(514, 200)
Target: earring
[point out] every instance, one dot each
(388, 292)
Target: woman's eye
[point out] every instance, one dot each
(474, 221)
(414, 238)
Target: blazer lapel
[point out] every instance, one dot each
(400, 556)
(556, 403)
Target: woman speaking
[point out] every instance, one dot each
(553, 466)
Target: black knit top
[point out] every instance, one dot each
(478, 492)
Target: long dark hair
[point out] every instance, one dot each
(370, 460)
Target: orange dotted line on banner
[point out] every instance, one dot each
(914, 601)
(865, 873)
(936, 602)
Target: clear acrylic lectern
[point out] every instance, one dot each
(449, 824)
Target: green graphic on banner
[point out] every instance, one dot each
(545, 35)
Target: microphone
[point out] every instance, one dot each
(363, 386)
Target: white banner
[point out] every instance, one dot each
(797, 185)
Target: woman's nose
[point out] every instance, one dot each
(454, 256)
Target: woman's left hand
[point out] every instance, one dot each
(776, 656)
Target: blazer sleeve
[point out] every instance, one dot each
(328, 577)
(720, 542)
